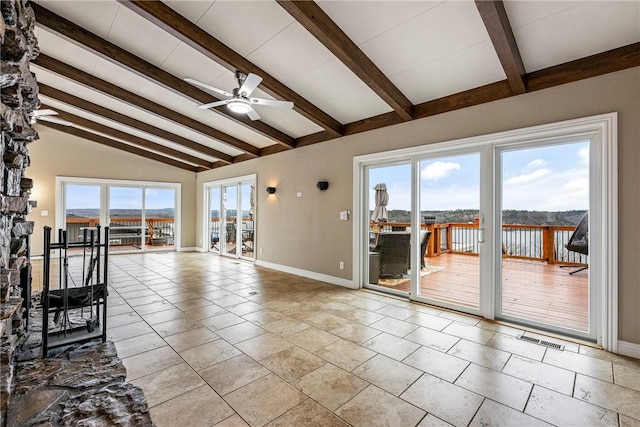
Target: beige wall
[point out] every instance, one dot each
(306, 233)
(58, 154)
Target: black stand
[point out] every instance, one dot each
(92, 292)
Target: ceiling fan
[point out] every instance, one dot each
(239, 100)
(45, 116)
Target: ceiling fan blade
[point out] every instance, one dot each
(213, 104)
(253, 115)
(54, 120)
(272, 103)
(206, 86)
(250, 84)
(44, 112)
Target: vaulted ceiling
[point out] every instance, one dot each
(115, 69)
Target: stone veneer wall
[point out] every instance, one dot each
(19, 95)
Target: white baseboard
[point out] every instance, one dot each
(190, 249)
(629, 349)
(308, 274)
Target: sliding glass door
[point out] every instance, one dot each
(82, 209)
(229, 220)
(388, 228)
(545, 237)
(450, 230)
(141, 216)
(127, 231)
(518, 226)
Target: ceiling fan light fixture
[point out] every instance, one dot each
(239, 106)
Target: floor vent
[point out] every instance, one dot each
(541, 342)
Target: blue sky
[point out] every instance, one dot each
(88, 197)
(553, 178)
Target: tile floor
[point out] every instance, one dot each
(217, 342)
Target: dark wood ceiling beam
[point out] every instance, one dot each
(375, 122)
(272, 149)
(192, 35)
(80, 133)
(595, 65)
(317, 137)
(94, 83)
(148, 71)
(131, 122)
(611, 61)
(496, 21)
(468, 98)
(318, 23)
(132, 139)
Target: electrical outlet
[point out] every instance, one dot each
(260, 251)
(341, 265)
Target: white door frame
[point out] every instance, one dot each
(601, 130)
(206, 226)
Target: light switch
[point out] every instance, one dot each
(299, 194)
(44, 213)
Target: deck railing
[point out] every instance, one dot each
(127, 231)
(529, 242)
(247, 224)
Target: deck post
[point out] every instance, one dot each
(548, 244)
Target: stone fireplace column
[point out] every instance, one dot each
(19, 96)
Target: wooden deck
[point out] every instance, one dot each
(531, 289)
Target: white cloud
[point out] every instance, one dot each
(555, 191)
(583, 156)
(537, 163)
(439, 170)
(528, 177)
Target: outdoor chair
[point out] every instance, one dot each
(394, 252)
(579, 242)
(424, 242)
(231, 236)
(215, 239)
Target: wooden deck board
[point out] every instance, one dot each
(532, 290)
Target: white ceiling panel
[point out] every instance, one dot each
(441, 31)
(356, 105)
(190, 9)
(141, 37)
(525, 12)
(65, 51)
(326, 81)
(428, 48)
(244, 25)
(291, 53)
(59, 106)
(473, 67)
(95, 16)
(188, 108)
(118, 75)
(187, 62)
(578, 32)
(287, 121)
(364, 20)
